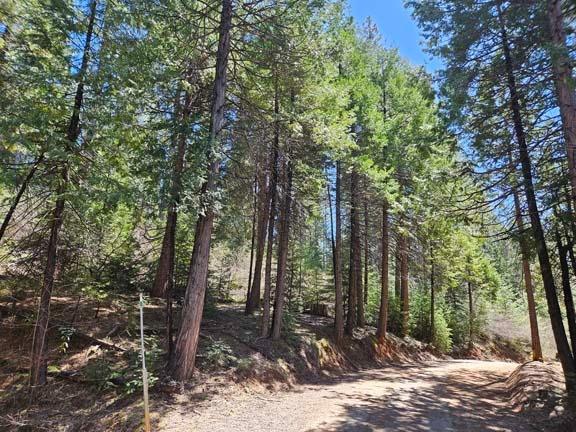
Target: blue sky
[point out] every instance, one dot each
(397, 27)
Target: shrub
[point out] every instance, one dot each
(442, 337)
(218, 354)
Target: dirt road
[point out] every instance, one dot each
(441, 396)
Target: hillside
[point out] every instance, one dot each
(95, 382)
(95, 373)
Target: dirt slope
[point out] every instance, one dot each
(449, 395)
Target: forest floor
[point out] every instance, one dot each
(302, 383)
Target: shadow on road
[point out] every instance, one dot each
(425, 400)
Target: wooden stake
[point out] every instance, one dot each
(144, 372)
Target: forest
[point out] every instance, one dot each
(216, 182)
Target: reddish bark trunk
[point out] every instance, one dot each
(563, 81)
(184, 358)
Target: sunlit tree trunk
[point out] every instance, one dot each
(564, 353)
(184, 358)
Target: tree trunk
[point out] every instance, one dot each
(282, 255)
(563, 82)
(169, 318)
(253, 233)
(366, 251)
(567, 290)
(165, 272)
(564, 353)
(404, 288)
(273, 193)
(432, 296)
(273, 196)
(183, 361)
(397, 266)
(383, 313)
(572, 221)
(291, 280)
(165, 268)
(271, 202)
(38, 361)
(352, 316)
(253, 299)
(470, 316)
(19, 195)
(524, 251)
(570, 248)
(360, 319)
(339, 312)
